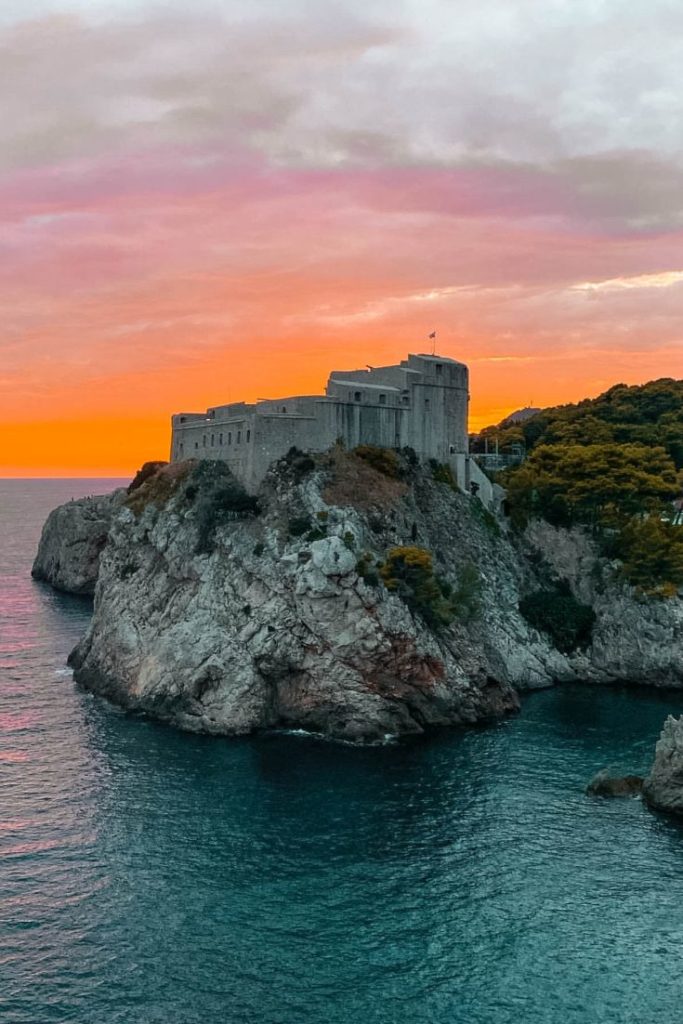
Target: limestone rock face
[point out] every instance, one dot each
(72, 541)
(259, 628)
(663, 787)
(222, 617)
(634, 639)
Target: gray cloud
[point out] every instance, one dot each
(576, 93)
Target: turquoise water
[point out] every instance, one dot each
(149, 876)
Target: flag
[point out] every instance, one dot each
(433, 334)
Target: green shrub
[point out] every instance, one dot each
(365, 567)
(299, 525)
(410, 456)
(408, 572)
(651, 553)
(146, 471)
(485, 517)
(316, 534)
(466, 597)
(259, 549)
(443, 474)
(217, 497)
(349, 540)
(556, 612)
(299, 463)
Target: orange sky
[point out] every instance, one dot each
(201, 208)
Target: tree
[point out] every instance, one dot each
(649, 414)
(651, 552)
(600, 485)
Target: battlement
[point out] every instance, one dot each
(419, 403)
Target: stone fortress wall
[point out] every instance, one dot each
(421, 403)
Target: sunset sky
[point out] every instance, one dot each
(209, 201)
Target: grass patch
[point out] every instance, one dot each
(384, 460)
(353, 482)
(485, 517)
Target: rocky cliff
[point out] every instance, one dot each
(72, 541)
(663, 787)
(356, 598)
(225, 621)
(634, 639)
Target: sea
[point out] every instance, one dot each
(149, 876)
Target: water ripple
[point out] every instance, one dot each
(148, 876)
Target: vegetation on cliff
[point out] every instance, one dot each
(409, 573)
(557, 613)
(611, 464)
(646, 414)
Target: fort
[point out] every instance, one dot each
(420, 403)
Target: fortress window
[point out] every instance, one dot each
(356, 396)
(405, 399)
(239, 436)
(230, 437)
(426, 403)
(451, 449)
(213, 440)
(439, 368)
(182, 419)
(284, 408)
(204, 440)
(220, 439)
(248, 436)
(182, 447)
(196, 445)
(382, 399)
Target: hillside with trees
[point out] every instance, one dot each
(612, 464)
(647, 414)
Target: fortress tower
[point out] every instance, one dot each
(421, 403)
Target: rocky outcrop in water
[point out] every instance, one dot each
(663, 787)
(634, 639)
(223, 621)
(604, 784)
(223, 613)
(72, 542)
